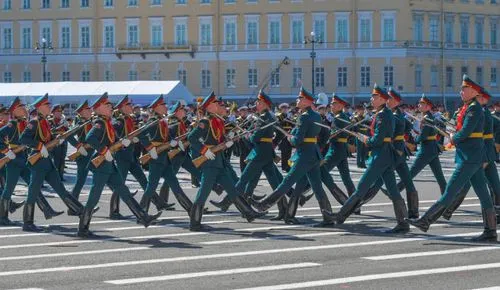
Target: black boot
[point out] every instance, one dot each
(83, 227)
(45, 207)
(429, 217)
(114, 207)
(184, 201)
(73, 204)
(455, 204)
(165, 192)
(195, 218)
(4, 212)
(326, 211)
(291, 210)
(223, 205)
(357, 210)
(372, 192)
(145, 202)
(268, 202)
(13, 206)
(218, 189)
(490, 227)
(401, 214)
(28, 215)
(160, 203)
(347, 209)
(246, 210)
(401, 186)
(258, 197)
(141, 215)
(338, 194)
(412, 200)
(282, 204)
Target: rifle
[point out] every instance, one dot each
(6, 159)
(97, 161)
(174, 152)
(73, 156)
(222, 146)
(144, 159)
(32, 159)
(426, 121)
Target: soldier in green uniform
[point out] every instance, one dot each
(496, 130)
(428, 151)
(59, 125)
(380, 164)
(211, 132)
(489, 166)
(305, 161)
(160, 165)
(283, 143)
(361, 150)
(101, 137)
(84, 113)
(469, 144)
(400, 165)
(35, 136)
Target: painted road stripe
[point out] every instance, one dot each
(74, 253)
(212, 273)
(272, 238)
(226, 255)
(432, 253)
(381, 276)
(462, 205)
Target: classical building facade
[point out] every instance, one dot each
(237, 46)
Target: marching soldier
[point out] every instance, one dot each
(283, 143)
(243, 144)
(36, 135)
(160, 166)
(101, 137)
(210, 132)
(59, 125)
(428, 151)
(305, 161)
(361, 150)
(468, 141)
(4, 120)
(380, 164)
(496, 129)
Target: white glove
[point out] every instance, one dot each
(210, 155)
(11, 155)
(126, 142)
(230, 135)
(108, 156)
(181, 146)
(61, 140)
(173, 143)
(83, 151)
(229, 144)
(135, 140)
(44, 152)
(153, 153)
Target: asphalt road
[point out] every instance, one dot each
(263, 255)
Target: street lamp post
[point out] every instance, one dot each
(312, 40)
(43, 47)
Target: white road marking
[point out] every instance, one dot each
(280, 237)
(381, 276)
(212, 273)
(14, 258)
(432, 253)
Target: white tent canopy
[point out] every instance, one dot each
(141, 92)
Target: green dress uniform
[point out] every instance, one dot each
(469, 144)
(380, 165)
(101, 137)
(150, 138)
(361, 149)
(59, 153)
(283, 143)
(305, 163)
(35, 136)
(210, 132)
(496, 132)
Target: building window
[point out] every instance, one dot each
(109, 76)
(479, 27)
(275, 31)
(180, 1)
(27, 76)
(205, 1)
(7, 77)
(252, 77)
(493, 77)
(109, 36)
(342, 30)
(365, 76)
(464, 31)
(418, 76)
(275, 79)
(230, 78)
(342, 77)
(464, 70)
(7, 38)
(206, 34)
(26, 4)
(132, 75)
(84, 4)
(365, 26)
(26, 35)
(65, 37)
(389, 28)
(65, 77)
(388, 76)
(297, 30)
(85, 76)
(319, 28)
(85, 37)
(155, 2)
(133, 35)
(206, 79)
(7, 4)
(45, 4)
(434, 76)
(47, 34)
(48, 76)
(156, 75)
(182, 76)
(449, 30)
(108, 3)
(418, 28)
(229, 1)
(252, 32)
(64, 3)
(297, 77)
(493, 32)
(230, 31)
(434, 29)
(449, 76)
(479, 75)
(180, 33)
(319, 78)
(132, 3)
(156, 35)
